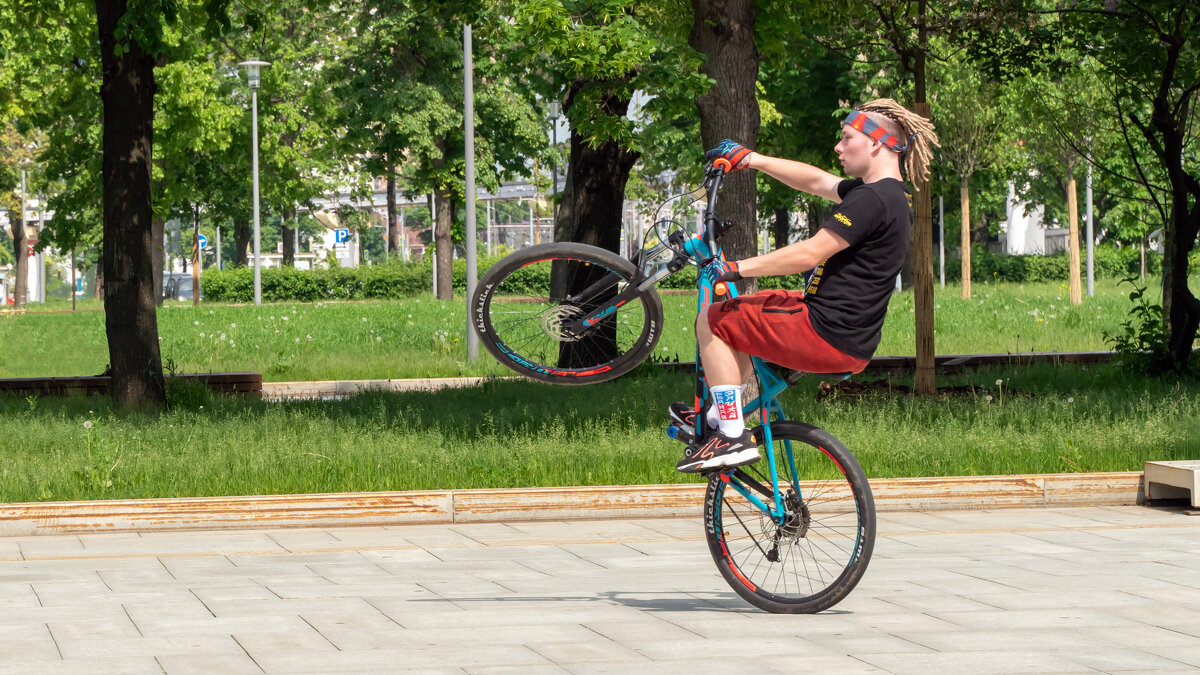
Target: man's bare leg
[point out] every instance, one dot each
(723, 365)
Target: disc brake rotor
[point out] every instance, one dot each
(554, 318)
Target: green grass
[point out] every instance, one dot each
(519, 433)
(423, 337)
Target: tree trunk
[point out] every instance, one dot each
(160, 258)
(1181, 310)
(723, 31)
(392, 239)
(783, 227)
(195, 255)
(926, 376)
(1073, 241)
(289, 241)
(241, 242)
(590, 212)
(127, 95)
(964, 199)
(20, 273)
(443, 244)
(98, 292)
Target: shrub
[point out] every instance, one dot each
(392, 280)
(1108, 262)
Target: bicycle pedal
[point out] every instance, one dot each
(681, 434)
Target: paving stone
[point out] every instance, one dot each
(209, 664)
(972, 662)
(1005, 590)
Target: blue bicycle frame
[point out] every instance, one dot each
(771, 384)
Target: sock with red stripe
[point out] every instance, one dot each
(727, 405)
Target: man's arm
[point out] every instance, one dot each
(795, 258)
(799, 175)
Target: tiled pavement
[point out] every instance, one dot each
(1041, 590)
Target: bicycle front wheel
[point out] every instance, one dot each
(527, 310)
(809, 559)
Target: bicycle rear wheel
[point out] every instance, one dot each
(526, 310)
(815, 557)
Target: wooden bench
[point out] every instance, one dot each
(242, 384)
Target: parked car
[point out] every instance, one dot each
(178, 287)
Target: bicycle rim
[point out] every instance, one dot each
(815, 557)
(523, 310)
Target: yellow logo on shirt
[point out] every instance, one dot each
(841, 218)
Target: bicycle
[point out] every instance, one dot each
(795, 536)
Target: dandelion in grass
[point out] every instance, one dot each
(195, 323)
(87, 424)
(988, 398)
(284, 318)
(365, 319)
(297, 340)
(222, 337)
(233, 325)
(201, 333)
(1070, 399)
(379, 339)
(309, 338)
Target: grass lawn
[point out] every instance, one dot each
(509, 433)
(424, 337)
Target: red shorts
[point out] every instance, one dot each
(774, 325)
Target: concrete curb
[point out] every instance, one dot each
(566, 503)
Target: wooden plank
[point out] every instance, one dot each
(560, 503)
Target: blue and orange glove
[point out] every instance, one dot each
(737, 155)
(717, 271)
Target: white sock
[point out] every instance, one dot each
(727, 402)
(711, 416)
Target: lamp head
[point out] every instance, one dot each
(253, 67)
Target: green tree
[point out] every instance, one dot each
(404, 94)
(971, 115)
(1148, 54)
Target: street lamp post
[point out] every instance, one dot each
(555, 111)
(469, 154)
(253, 67)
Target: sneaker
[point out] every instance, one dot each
(682, 415)
(718, 450)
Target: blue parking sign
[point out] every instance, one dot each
(342, 235)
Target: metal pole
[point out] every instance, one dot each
(488, 224)
(469, 136)
(942, 241)
(254, 142)
(218, 238)
(1091, 238)
(531, 222)
(403, 238)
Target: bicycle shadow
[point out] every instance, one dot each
(712, 601)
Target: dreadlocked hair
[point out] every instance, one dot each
(912, 126)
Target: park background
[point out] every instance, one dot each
(599, 110)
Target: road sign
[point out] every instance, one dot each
(203, 242)
(342, 235)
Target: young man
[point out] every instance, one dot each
(833, 324)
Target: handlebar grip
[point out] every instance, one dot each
(722, 164)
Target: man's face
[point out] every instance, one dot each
(854, 151)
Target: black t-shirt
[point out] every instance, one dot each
(848, 293)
